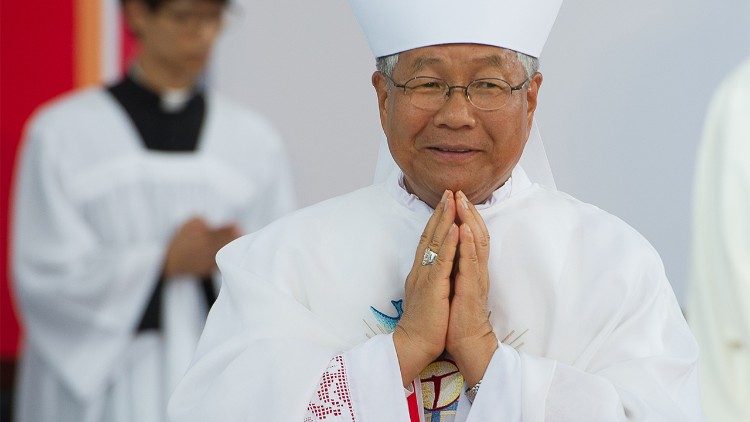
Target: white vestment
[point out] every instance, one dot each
(94, 214)
(300, 329)
(719, 299)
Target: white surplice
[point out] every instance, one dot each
(719, 299)
(94, 213)
(300, 329)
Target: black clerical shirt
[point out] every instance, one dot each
(168, 131)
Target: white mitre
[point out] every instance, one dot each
(393, 26)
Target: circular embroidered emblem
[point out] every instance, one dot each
(441, 384)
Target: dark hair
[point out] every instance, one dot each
(156, 4)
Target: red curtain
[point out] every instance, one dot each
(36, 64)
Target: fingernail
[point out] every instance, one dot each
(445, 196)
(464, 201)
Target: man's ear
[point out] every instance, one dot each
(135, 12)
(380, 83)
(531, 96)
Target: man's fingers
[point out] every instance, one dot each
(446, 254)
(447, 218)
(228, 232)
(468, 265)
(429, 230)
(485, 233)
(220, 236)
(196, 223)
(468, 214)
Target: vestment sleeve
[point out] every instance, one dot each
(362, 383)
(265, 356)
(79, 298)
(643, 369)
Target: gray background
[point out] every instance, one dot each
(625, 91)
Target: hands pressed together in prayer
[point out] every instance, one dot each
(445, 303)
(193, 248)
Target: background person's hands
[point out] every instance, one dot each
(193, 248)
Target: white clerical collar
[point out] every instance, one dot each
(395, 185)
(174, 100)
(171, 100)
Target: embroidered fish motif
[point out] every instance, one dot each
(386, 321)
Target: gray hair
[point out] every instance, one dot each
(386, 64)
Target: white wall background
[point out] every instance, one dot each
(625, 91)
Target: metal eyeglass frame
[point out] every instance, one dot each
(464, 88)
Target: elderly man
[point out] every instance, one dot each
(458, 289)
(124, 194)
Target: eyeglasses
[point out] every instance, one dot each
(429, 93)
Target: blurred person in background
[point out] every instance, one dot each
(719, 299)
(123, 195)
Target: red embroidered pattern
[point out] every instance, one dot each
(332, 400)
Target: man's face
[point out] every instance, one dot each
(179, 34)
(457, 147)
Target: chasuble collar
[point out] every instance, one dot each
(396, 187)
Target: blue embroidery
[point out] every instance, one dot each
(388, 322)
